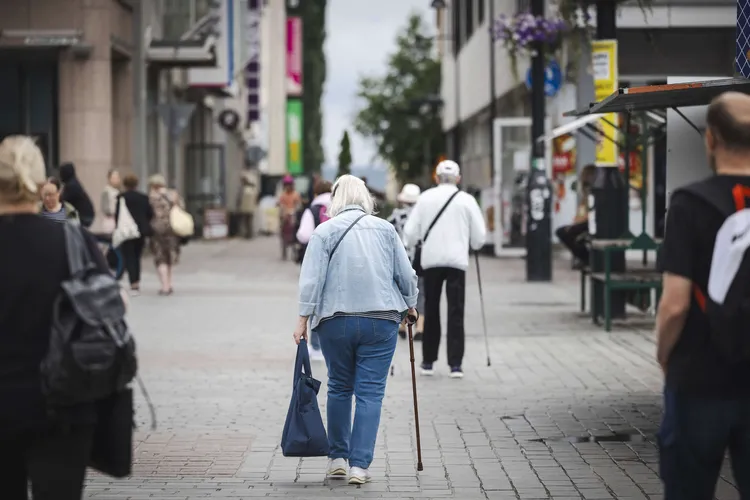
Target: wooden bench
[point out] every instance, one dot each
(633, 279)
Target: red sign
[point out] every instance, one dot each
(294, 56)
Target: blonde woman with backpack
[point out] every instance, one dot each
(48, 450)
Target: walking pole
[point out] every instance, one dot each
(481, 302)
(410, 320)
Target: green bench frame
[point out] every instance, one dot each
(640, 279)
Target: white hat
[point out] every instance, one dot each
(448, 167)
(409, 193)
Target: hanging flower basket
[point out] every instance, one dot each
(523, 34)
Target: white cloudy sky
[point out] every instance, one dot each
(360, 35)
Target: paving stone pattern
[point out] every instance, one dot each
(565, 411)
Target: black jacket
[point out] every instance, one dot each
(74, 194)
(139, 208)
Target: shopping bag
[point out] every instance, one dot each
(112, 448)
(126, 228)
(304, 434)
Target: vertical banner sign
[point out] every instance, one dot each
(294, 56)
(742, 54)
(606, 72)
(294, 136)
(252, 68)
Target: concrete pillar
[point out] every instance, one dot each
(85, 102)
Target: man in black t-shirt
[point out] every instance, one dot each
(706, 397)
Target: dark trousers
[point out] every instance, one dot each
(455, 291)
(694, 437)
(132, 250)
(54, 462)
(246, 225)
(570, 236)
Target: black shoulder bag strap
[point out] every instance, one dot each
(342, 236)
(439, 214)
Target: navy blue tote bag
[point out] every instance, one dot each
(304, 434)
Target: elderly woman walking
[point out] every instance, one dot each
(355, 287)
(165, 245)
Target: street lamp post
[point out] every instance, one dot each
(539, 189)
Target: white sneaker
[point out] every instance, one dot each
(316, 354)
(427, 369)
(337, 468)
(358, 475)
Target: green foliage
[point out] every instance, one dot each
(313, 13)
(389, 115)
(345, 155)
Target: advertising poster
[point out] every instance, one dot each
(294, 136)
(604, 63)
(294, 56)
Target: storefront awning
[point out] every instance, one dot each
(587, 125)
(653, 97)
(182, 53)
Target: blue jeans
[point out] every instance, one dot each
(695, 435)
(358, 352)
(314, 340)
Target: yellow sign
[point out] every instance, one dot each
(604, 64)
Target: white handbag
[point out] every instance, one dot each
(181, 222)
(126, 228)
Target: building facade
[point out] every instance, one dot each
(66, 77)
(675, 38)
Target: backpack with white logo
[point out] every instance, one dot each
(726, 302)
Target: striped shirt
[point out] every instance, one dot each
(59, 216)
(394, 316)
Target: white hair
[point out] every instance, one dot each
(350, 190)
(447, 179)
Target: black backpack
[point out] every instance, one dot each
(726, 301)
(91, 352)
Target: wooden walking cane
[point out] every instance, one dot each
(410, 321)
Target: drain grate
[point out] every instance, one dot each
(618, 437)
(539, 304)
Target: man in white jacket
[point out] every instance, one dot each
(445, 257)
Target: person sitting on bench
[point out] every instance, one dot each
(573, 236)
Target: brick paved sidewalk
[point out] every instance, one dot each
(565, 411)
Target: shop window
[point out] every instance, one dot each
(10, 96)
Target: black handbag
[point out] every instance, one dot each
(112, 448)
(416, 262)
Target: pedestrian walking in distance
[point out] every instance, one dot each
(74, 194)
(311, 218)
(164, 243)
(407, 198)
(142, 213)
(50, 450)
(456, 226)
(703, 317)
(355, 287)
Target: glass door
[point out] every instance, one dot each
(511, 166)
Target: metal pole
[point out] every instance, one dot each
(609, 190)
(493, 95)
(171, 139)
(539, 191)
(140, 102)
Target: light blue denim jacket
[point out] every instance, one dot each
(369, 271)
